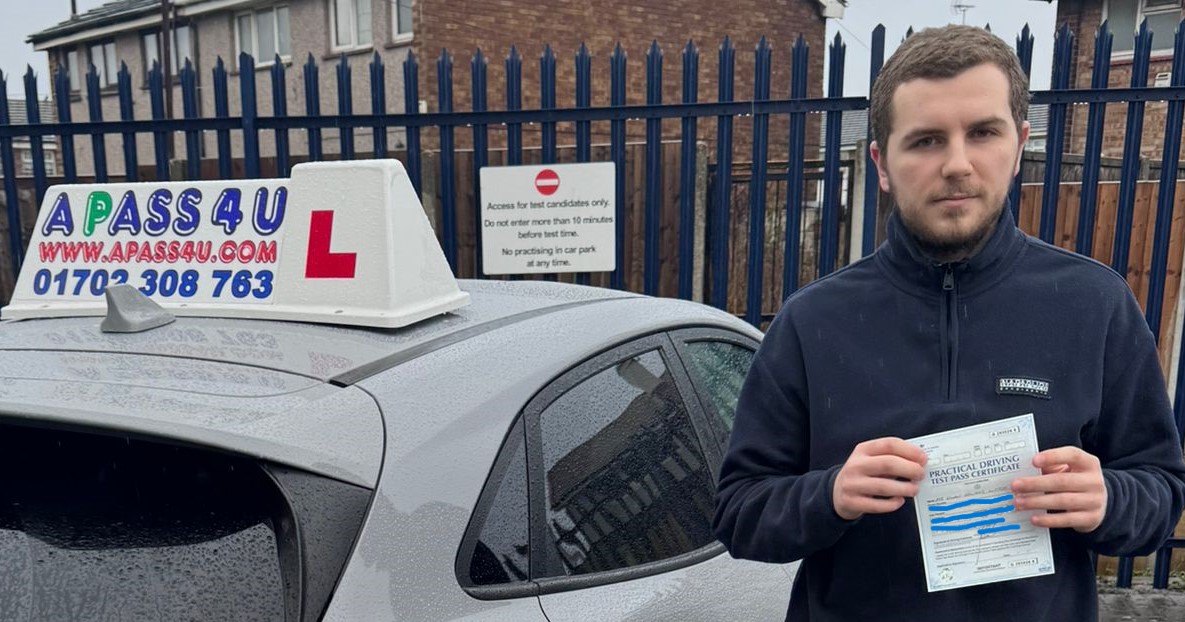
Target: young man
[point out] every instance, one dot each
(919, 338)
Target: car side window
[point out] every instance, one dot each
(500, 553)
(719, 369)
(625, 479)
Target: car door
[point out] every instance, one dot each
(622, 459)
(717, 361)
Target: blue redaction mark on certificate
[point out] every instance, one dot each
(970, 530)
(955, 522)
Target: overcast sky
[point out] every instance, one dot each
(1006, 18)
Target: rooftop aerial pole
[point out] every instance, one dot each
(961, 7)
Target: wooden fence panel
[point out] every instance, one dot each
(1139, 272)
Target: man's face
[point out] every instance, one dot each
(952, 153)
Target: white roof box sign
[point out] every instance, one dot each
(338, 242)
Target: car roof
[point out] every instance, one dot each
(266, 388)
(339, 354)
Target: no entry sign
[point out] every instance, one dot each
(547, 182)
(548, 218)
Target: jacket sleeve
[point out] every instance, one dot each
(1136, 441)
(769, 505)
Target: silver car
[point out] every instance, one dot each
(546, 453)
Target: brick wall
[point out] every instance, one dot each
(492, 25)
(1084, 18)
(496, 25)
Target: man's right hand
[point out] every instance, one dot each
(878, 477)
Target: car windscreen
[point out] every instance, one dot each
(102, 527)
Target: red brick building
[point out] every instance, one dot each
(1083, 17)
(128, 31)
(496, 25)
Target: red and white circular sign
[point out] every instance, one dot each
(547, 182)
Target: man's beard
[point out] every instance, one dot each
(945, 248)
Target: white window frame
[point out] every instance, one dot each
(26, 164)
(51, 162)
(1142, 12)
(108, 74)
(254, 51)
(398, 36)
(337, 46)
(178, 62)
(73, 71)
(1164, 9)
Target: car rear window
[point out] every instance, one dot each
(102, 527)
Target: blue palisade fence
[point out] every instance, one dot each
(677, 233)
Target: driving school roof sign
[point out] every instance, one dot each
(338, 242)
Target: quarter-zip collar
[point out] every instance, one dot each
(905, 264)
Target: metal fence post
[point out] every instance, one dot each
(411, 106)
(11, 196)
(755, 288)
(126, 113)
(718, 218)
(871, 201)
(345, 107)
(1062, 56)
(478, 70)
(688, 178)
(448, 195)
(617, 67)
(36, 146)
(829, 237)
(250, 132)
(653, 209)
(794, 172)
(62, 99)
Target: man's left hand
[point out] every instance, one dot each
(1070, 485)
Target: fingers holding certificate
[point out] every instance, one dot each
(1071, 486)
(878, 477)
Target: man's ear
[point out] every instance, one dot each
(1025, 128)
(879, 159)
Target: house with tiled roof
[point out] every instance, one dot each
(293, 31)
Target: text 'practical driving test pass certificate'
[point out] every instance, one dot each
(970, 528)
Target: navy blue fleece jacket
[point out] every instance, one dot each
(895, 345)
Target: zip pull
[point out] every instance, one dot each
(948, 279)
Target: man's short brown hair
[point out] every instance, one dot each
(942, 53)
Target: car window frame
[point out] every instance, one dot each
(550, 582)
(681, 338)
(515, 438)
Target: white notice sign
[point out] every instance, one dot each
(970, 529)
(548, 218)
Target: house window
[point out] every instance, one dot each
(103, 59)
(72, 70)
(1125, 17)
(401, 18)
(264, 34)
(180, 51)
(351, 24)
(51, 164)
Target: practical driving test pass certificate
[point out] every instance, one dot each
(971, 531)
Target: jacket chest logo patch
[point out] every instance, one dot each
(1030, 387)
